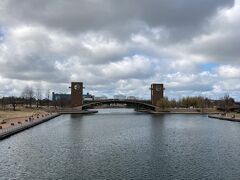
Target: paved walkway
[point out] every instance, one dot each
(228, 118)
(30, 122)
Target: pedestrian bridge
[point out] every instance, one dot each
(137, 104)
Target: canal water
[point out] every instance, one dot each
(123, 144)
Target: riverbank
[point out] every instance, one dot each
(15, 125)
(186, 111)
(31, 122)
(170, 112)
(7, 117)
(72, 111)
(228, 117)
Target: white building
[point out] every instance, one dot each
(131, 97)
(120, 96)
(101, 97)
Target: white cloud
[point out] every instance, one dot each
(228, 71)
(130, 67)
(220, 41)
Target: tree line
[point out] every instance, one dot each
(224, 104)
(29, 96)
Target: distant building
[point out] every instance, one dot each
(57, 97)
(120, 96)
(100, 97)
(88, 97)
(131, 98)
(67, 97)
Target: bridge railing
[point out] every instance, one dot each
(127, 100)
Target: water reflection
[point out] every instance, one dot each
(124, 144)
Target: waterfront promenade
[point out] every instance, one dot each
(228, 117)
(28, 123)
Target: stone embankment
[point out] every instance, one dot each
(224, 117)
(30, 122)
(34, 120)
(77, 112)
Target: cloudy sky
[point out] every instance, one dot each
(121, 46)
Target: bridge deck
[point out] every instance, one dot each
(119, 101)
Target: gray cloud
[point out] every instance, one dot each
(181, 18)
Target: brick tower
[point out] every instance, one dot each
(76, 94)
(157, 91)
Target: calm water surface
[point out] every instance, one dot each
(122, 144)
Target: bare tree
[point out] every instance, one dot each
(38, 95)
(227, 102)
(201, 103)
(13, 102)
(3, 103)
(48, 96)
(28, 94)
(24, 95)
(163, 103)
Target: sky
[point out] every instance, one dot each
(121, 46)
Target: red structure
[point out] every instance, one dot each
(157, 93)
(76, 94)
